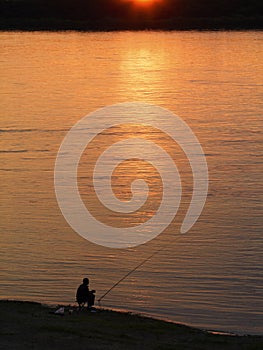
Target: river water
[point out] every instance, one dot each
(210, 277)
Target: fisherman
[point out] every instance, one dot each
(84, 295)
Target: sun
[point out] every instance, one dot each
(145, 2)
(145, 6)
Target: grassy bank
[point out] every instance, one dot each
(25, 325)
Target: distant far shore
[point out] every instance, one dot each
(54, 24)
(27, 325)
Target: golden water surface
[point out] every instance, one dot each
(210, 277)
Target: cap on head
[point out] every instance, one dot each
(85, 281)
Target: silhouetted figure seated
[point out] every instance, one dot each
(84, 295)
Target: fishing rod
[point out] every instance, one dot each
(129, 273)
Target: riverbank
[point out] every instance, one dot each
(26, 325)
(110, 24)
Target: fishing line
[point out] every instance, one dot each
(129, 273)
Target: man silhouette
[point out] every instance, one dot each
(84, 295)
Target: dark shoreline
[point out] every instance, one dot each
(108, 25)
(29, 325)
